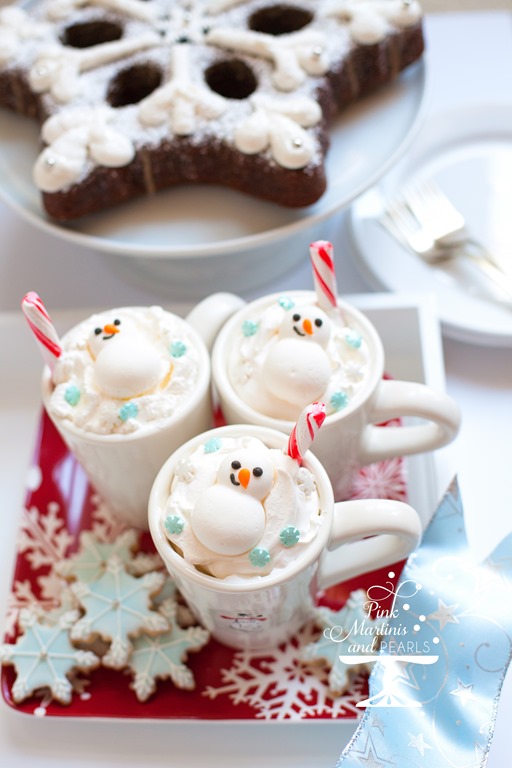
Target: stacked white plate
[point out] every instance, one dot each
(469, 153)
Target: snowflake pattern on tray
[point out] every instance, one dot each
(230, 685)
(279, 687)
(43, 538)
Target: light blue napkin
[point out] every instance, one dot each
(459, 619)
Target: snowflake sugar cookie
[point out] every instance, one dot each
(162, 657)
(341, 631)
(89, 563)
(44, 657)
(118, 607)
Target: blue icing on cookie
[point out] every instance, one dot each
(128, 411)
(289, 536)
(286, 302)
(72, 394)
(259, 557)
(174, 524)
(249, 327)
(339, 400)
(178, 348)
(215, 444)
(353, 338)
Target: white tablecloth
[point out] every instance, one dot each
(469, 62)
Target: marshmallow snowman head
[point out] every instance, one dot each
(250, 470)
(126, 363)
(308, 323)
(229, 517)
(104, 335)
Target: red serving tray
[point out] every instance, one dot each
(230, 685)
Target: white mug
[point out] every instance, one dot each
(350, 438)
(122, 467)
(256, 612)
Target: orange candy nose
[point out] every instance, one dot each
(308, 327)
(243, 477)
(110, 329)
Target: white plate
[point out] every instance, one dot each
(469, 152)
(187, 236)
(410, 334)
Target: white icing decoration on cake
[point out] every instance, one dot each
(294, 55)
(74, 137)
(57, 69)
(180, 102)
(368, 21)
(136, 9)
(403, 14)
(16, 27)
(218, 6)
(278, 125)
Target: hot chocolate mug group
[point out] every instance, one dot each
(244, 516)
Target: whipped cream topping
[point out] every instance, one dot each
(291, 353)
(124, 369)
(238, 509)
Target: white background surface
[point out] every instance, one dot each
(470, 60)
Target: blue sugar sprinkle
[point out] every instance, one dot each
(178, 348)
(259, 557)
(286, 302)
(249, 327)
(289, 536)
(353, 339)
(128, 411)
(339, 400)
(174, 524)
(215, 444)
(72, 395)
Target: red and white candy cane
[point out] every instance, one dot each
(304, 431)
(324, 276)
(42, 327)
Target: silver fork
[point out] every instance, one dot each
(427, 222)
(436, 212)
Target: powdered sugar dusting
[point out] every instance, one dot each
(182, 40)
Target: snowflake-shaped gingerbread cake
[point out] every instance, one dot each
(138, 95)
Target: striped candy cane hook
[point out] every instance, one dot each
(305, 430)
(42, 327)
(324, 276)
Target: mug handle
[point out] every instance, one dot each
(407, 398)
(210, 314)
(393, 529)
